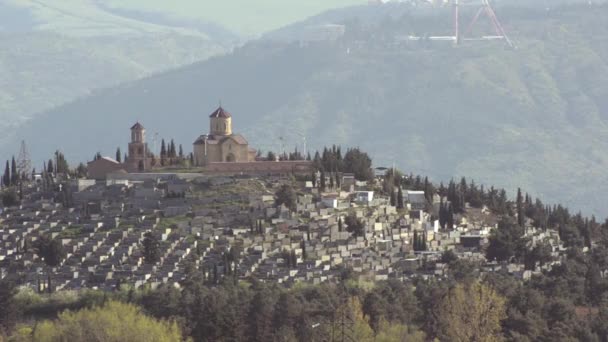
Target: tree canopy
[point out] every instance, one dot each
(114, 321)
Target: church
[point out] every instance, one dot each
(221, 145)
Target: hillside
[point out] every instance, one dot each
(534, 117)
(60, 51)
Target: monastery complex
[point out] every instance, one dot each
(219, 151)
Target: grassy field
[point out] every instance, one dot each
(246, 17)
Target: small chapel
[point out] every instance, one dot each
(220, 144)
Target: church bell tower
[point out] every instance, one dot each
(138, 149)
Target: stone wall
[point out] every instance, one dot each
(261, 167)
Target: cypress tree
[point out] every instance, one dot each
(303, 246)
(118, 155)
(393, 198)
(423, 240)
(442, 214)
(50, 167)
(14, 173)
(400, 204)
(6, 179)
(450, 217)
(340, 224)
(163, 152)
(520, 208)
(322, 180)
(172, 153)
(181, 151)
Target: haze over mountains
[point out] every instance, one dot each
(58, 51)
(534, 117)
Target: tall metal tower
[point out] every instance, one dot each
(483, 8)
(459, 35)
(24, 162)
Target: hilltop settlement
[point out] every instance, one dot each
(230, 213)
(227, 244)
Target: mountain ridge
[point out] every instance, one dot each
(535, 117)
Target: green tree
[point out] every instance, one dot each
(323, 180)
(354, 225)
(521, 219)
(50, 168)
(6, 178)
(9, 309)
(260, 317)
(10, 198)
(163, 153)
(471, 312)
(359, 164)
(506, 242)
(50, 250)
(14, 173)
(286, 195)
(151, 248)
(388, 332)
(400, 204)
(118, 155)
(112, 322)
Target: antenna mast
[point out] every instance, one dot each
(24, 163)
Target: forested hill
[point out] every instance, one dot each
(534, 117)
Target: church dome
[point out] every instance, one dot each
(220, 113)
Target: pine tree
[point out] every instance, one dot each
(118, 155)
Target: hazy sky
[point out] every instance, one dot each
(247, 17)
